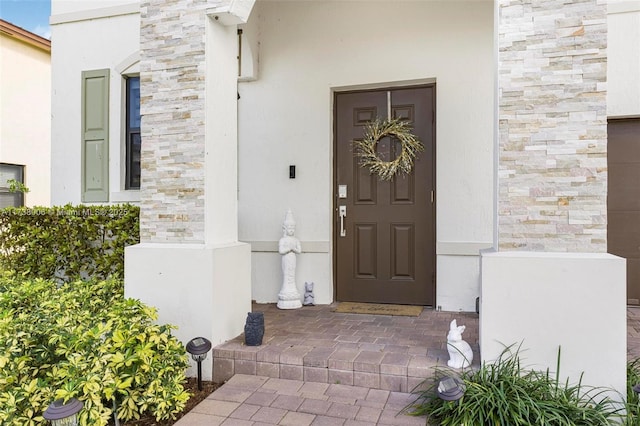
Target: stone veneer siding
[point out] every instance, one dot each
(553, 126)
(172, 104)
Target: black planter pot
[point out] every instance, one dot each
(254, 329)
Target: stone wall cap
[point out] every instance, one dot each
(549, 255)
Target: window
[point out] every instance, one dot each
(8, 172)
(132, 179)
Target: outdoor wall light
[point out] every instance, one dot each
(61, 414)
(198, 348)
(450, 388)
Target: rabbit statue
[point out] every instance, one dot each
(460, 353)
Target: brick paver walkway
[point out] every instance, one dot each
(259, 401)
(633, 333)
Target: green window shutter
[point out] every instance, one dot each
(95, 136)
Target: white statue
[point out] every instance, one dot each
(309, 298)
(289, 246)
(460, 353)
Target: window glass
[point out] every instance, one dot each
(134, 160)
(133, 93)
(133, 134)
(8, 172)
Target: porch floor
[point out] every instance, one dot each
(317, 367)
(315, 344)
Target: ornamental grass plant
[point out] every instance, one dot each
(506, 394)
(633, 403)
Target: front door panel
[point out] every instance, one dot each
(385, 245)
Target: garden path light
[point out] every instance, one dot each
(198, 348)
(450, 389)
(61, 414)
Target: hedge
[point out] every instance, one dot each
(84, 340)
(69, 242)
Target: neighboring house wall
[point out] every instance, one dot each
(25, 108)
(103, 36)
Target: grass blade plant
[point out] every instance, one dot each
(633, 402)
(504, 393)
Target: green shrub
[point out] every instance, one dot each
(84, 340)
(633, 403)
(67, 243)
(505, 394)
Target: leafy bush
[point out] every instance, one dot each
(67, 243)
(503, 393)
(84, 340)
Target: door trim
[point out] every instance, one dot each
(410, 84)
(373, 87)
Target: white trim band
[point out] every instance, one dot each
(103, 12)
(450, 248)
(307, 246)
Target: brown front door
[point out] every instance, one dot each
(623, 201)
(386, 252)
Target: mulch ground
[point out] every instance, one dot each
(196, 398)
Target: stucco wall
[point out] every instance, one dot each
(285, 118)
(25, 111)
(623, 71)
(310, 49)
(81, 44)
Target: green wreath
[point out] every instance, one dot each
(376, 130)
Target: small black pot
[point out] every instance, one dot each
(254, 329)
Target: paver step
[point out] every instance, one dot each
(315, 344)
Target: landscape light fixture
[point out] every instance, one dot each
(198, 348)
(450, 388)
(636, 388)
(61, 414)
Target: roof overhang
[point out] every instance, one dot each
(25, 36)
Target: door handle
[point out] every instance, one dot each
(342, 212)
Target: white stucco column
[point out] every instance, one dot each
(221, 133)
(190, 264)
(545, 302)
